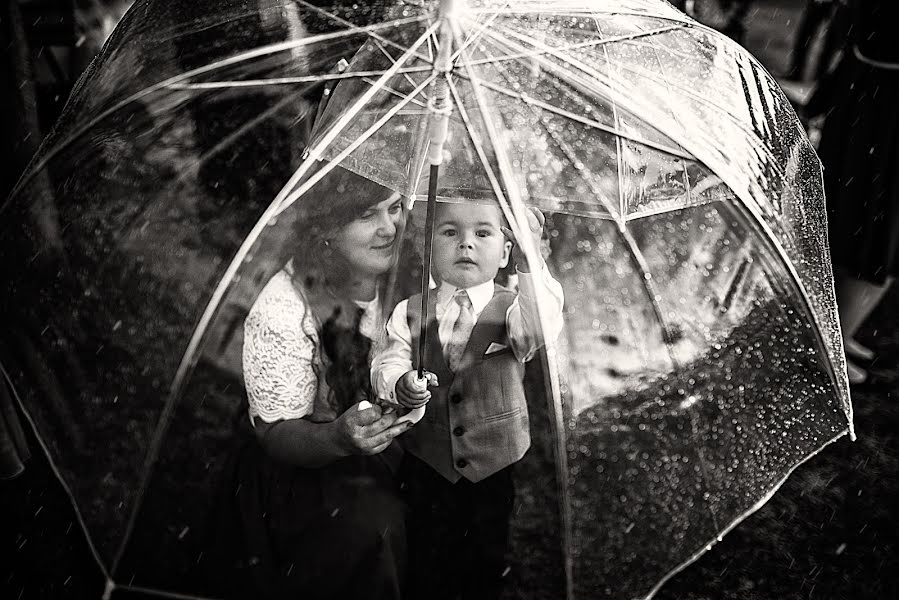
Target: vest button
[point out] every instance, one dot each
(456, 398)
(458, 431)
(461, 463)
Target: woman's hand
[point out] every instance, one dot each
(368, 431)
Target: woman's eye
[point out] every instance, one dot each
(395, 208)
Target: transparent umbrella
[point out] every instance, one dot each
(701, 358)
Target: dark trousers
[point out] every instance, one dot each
(458, 533)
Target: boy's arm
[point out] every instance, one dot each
(538, 288)
(395, 359)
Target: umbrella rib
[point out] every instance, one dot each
(576, 46)
(585, 121)
(475, 140)
(187, 360)
(803, 293)
(565, 148)
(514, 207)
(686, 91)
(575, 82)
(5, 379)
(746, 514)
(315, 152)
(406, 76)
(236, 59)
(640, 261)
(609, 90)
(703, 461)
(226, 141)
(374, 34)
(476, 34)
(635, 253)
(143, 591)
(399, 94)
(682, 20)
(295, 195)
(630, 242)
(212, 85)
(419, 167)
(657, 307)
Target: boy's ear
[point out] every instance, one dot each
(507, 251)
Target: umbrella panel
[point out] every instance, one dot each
(191, 165)
(563, 164)
(685, 454)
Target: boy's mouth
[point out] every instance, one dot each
(466, 261)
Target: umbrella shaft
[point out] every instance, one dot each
(426, 267)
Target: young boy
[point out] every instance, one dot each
(457, 470)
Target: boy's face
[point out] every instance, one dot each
(469, 246)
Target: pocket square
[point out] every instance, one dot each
(493, 348)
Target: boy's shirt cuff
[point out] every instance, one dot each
(385, 386)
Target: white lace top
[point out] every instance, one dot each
(281, 354)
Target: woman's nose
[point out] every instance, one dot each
(387, 224)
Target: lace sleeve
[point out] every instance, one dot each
(279, 353)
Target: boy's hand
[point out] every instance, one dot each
(412, 392)
(535, 226)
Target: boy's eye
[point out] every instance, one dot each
(448, 232)
(484, 233)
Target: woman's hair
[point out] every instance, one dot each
(338, 199)
(320, 272)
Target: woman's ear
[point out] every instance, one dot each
(507, 251)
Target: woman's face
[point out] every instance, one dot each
(369, 243)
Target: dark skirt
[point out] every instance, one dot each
(332, 532)
(860, 153)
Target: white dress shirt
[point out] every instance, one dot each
(522, 324)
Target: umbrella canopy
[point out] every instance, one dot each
(701, 359)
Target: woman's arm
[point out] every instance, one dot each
(310, 444)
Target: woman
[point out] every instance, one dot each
(316, 496)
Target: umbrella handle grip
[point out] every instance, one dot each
(437, 136)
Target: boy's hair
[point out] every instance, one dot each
(502, 219)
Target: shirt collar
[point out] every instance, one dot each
(480, 295)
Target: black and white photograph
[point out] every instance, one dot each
(449, 299)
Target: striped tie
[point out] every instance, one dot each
(461, 331)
